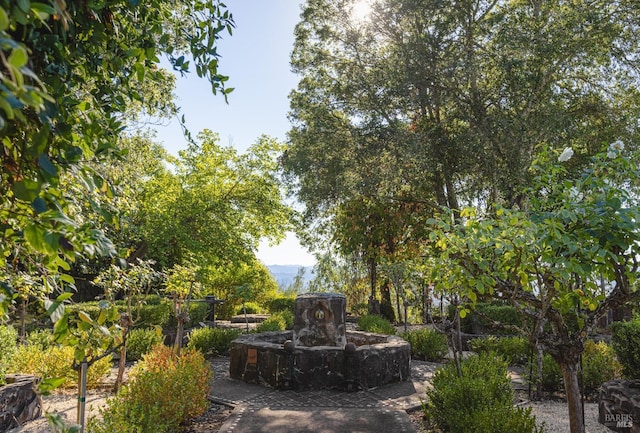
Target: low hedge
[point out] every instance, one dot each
(212, 341)
(427, 344)
(376, 324)
(514, 349)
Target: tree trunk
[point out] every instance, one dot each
(121, 366)
(539, 365)
(372, 277)
(23, 321)
(398, 306)
(572, 390)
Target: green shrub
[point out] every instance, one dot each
(427, 344)
(599, 364)
(514, 349)
(273, 323)
(277, 305)
(157, 313)
(360, 309)
(376, 324)
(212, 341)
(163, 392)
(198, 312)
(551, 374)
(56, 361)
(249, 307)
(153, 314)
(479, 320)
(626, 344)
(141, 341)
(479, 401)
(8, 342)
(42, 338)
(276, 322)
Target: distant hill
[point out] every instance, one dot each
(285, 274)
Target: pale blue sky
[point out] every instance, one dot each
(256, 59)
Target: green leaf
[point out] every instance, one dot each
(67, 278)
(39, 205)
(85, 317)
(34, 235)
(64, 296)
(26, 190)
(24, 5)
(45, 163)
(4, 19)
(54, 309)
(18, 57)
(41, 8)
(61, 329)
(49, 384)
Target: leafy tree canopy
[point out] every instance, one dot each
(70, 74)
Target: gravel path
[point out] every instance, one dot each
(554, 415)
(552, 412)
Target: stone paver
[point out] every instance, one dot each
(251, 419)
(260, 409)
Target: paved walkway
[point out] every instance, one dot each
(259, 409)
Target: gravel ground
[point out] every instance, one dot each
(552, 412)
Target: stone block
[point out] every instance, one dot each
(19, 402)
(619, 405)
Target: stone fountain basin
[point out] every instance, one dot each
(371, 360)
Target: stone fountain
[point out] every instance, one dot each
(320, 353)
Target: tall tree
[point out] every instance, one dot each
(214, 206)
(448, 103)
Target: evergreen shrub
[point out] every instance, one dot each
(479, 401)
(427, 344)
(277, 322)
(212, 341)
(277, 305)
(514, 349)
(8, 342)
(249, 308)
(141, 341)
(376, 324)
(599, 365)
(625, 340)
(56, 361)
(551, 374)
(198, 312)
(163, 392)
(42, 338)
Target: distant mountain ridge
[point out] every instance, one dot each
(286, 274)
